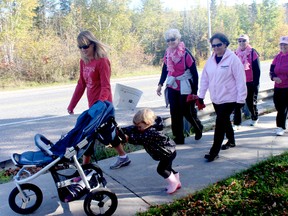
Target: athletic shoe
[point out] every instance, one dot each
(236, 127)
(254, 122)
(211, 158)
(121, 162)
(279, 131)
(228, 145)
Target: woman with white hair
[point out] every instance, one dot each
(182, 81)
(250, 59)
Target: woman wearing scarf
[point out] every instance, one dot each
(250, 59)
(182, 80)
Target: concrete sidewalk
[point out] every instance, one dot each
(138, 185)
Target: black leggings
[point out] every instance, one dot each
(251, 101)
(164, 167)
(281, 104)
(179, 108)
(223, 126)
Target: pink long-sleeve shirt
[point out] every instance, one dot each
(281, 69)
(95, 77)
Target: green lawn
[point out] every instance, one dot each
(260, 190)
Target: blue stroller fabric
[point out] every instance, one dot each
(86, 127)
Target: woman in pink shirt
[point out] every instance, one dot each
(279, 74)
(95, 72)
(180, 73)
(250, 59)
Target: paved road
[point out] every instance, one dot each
(25, 113)
(31, 104)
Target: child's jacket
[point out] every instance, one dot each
(158, 145)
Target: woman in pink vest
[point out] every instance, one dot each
(250, 59)
(180, 73)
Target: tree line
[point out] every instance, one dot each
(38, 37)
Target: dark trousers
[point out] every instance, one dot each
(280, 99)
(179, 108)
(251, 102)
(164, 167)
(223, 126)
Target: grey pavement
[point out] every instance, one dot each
(138, 185)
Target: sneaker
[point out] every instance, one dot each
(236, 127)
(279, 131)
(121, 162)
(254, 122)
(211, 158)
(228, 145)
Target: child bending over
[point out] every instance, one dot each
(147, 131)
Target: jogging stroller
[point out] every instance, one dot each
(61, 159)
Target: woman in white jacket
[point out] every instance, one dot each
(224, 76)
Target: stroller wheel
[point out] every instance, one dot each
(29, 203)
(100, 202)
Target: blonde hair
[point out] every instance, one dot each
(145, 115)
(86, 38)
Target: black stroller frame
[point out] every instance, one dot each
(72, 179)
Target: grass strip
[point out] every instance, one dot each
(260, 190)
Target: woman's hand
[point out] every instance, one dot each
(200, 103)
(159, 90)
(277, 80)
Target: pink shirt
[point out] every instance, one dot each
(249, 71)
(95, 78)
(281, 69)
(179, 68)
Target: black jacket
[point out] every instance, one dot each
(158, 145)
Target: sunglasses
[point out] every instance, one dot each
(84, 46)
(217, 45)
(171, 39)
(243, 41)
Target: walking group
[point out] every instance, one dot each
(231, 77)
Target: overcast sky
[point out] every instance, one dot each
(181, 4)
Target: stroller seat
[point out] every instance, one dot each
(39, 158)
(31, 158)
(87, 127)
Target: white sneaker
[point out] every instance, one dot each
(254, 122)
(279, 131)
(236, 127)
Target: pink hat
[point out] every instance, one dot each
(284, 40)
(245, 37)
